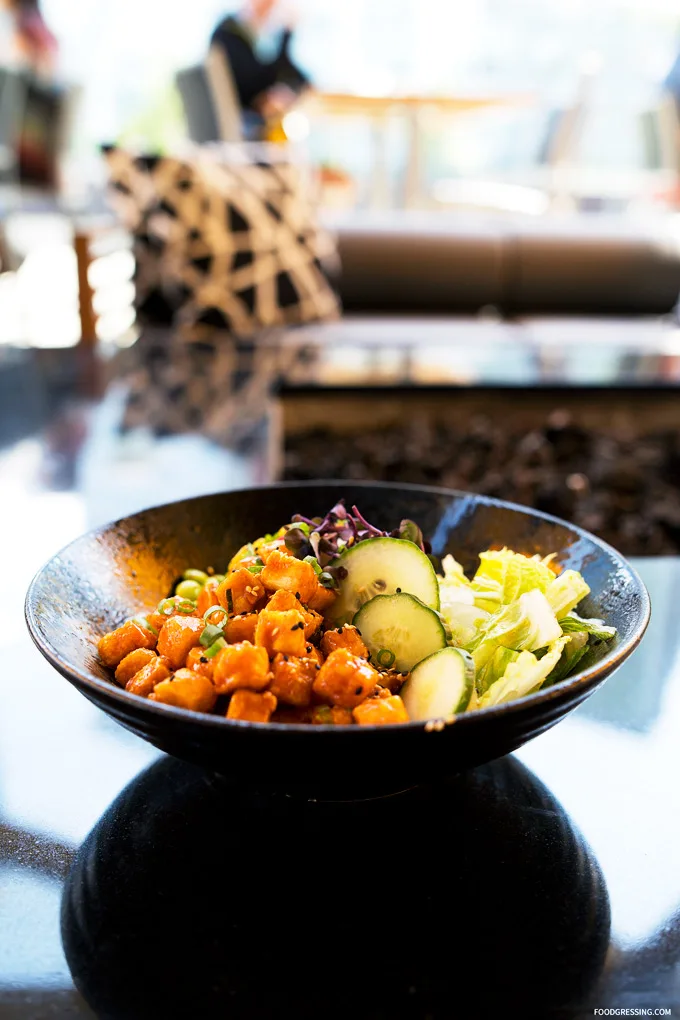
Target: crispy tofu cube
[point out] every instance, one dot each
(322, 599)
(315, 653)
(251, 707)
(208, 596)
(241, 666)
(132, 664)
(178, 636)
(345, 679)
(240, 591)
(281, 632)
(157, 620)
(199, 662)
(282, 600)
(293, 679)
(381, 712)
(290, 574)
(345, 637)
(113, 647)
(145, 681)
(331, 715)
(241, 628)
(186, 689)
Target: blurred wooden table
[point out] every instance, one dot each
(414, 108)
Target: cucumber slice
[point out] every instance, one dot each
(399, 630)
(440, 686)
(380, 566)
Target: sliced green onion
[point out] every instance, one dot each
(327, 580)
(385, 658)
(143, 622)
(304, 528)
(195, 575)
(312, 560)
(218, 577)
(215, 647)
(166, 606)
(208, 614)
(185, 606)
(256, 568)
(210, 635)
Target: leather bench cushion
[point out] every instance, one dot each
(420, 263)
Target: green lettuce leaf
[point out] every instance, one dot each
(495, 667)
(566, 591)
(463, 622)
(572, 653)
(574, 624)
(523, 676)
(505, 575)
(526, 625)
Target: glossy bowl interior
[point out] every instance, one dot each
(117, 571)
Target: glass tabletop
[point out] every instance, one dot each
(157, 887)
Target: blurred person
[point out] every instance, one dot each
(31, 43)
(266, 88)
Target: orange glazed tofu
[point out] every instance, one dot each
(293, 679)
(208, 596)
(282, 600)
(251, 707)
(290, 574)
(241, 628)
(240, 592)
(186, 689)
(128, 638)
(346, 637)
(345, 679)
(322, 599)
(381, 712)
(241, 666)
(156, 619)
(144, 682)
(178, 636)
(281, 632)
(132, 664)
(198, 661)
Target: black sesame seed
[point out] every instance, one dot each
(297, 595)
(318, 666)
(398, 591)
(359, 691)
(203, 659)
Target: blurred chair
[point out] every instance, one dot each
(210, 101)
(545, 179)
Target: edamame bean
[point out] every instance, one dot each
(188, 590)
(195, 575)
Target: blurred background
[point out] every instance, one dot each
(402, 240)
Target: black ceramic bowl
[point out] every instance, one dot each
(114, 572)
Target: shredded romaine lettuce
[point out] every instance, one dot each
(575, 624)
(463, 621)
(524, 625)
(566, 591)
(506, 575)
(572, 653)
(523, 676)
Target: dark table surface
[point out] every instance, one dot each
(549, 881)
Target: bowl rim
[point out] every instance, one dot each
(581, 681)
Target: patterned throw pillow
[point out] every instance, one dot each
(233, 246)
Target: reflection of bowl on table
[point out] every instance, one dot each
(108, 575)
(195, 898)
